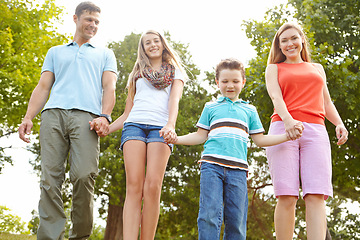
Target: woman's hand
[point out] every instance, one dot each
(293, 129)
(341, 134)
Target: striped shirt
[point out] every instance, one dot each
(229, 125)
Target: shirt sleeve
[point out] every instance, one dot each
(255, 122)
(48, 64)
(110, 64)
(179, 75)
(204, 121)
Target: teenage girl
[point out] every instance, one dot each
(298, 91)
(155, 87)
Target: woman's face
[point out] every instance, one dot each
(153, 46)
(291, 44)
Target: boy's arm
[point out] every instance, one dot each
(193, 138)
(262, 140)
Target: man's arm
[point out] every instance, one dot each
(37, 101)
(101, 124)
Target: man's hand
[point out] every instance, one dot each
(25, 129)
(100, 125)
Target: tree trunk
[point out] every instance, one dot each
(114, 223)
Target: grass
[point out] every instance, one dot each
(8, 236)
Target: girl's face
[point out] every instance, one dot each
(153, 46)
(290, 43)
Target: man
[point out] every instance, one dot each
(81, 78)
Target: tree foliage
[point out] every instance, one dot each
(26, 33)
(10, 223)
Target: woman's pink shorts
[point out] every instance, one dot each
(309, 155)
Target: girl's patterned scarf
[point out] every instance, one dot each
(161, 79)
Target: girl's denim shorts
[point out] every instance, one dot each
(143, 132)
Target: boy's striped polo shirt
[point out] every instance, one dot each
(229, 125)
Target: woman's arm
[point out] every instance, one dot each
(274, 91)
(331, 112)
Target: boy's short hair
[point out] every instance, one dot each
(232, 64)
(86, 6)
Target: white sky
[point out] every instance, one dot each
(211, 28)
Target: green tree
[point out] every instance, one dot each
(110, 184)
(26, 33)
(10, 223)
(332, 28)
(98, 233)
(34, 222)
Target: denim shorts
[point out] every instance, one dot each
(143, 132)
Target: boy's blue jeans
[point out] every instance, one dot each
(223, 195)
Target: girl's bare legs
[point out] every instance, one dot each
(157, 158)
(284, 217)
(315, 216)
(135, 158)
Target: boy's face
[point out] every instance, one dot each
(230, 83)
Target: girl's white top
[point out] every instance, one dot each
(151, 104)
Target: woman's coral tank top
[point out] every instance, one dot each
(302, 89)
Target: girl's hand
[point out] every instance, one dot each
(341, 134)
(171, 139)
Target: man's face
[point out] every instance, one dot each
(87, 24)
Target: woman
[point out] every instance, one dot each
(299, 93)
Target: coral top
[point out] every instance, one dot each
(302, 89)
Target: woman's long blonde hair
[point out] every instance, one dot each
(276, 56)
(169, 56)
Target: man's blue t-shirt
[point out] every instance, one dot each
(229, 124)
(78, 76)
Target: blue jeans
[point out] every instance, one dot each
(223, 195)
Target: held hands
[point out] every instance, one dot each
(168, 134)
(294, 130)
(25, 129)
(100, 125)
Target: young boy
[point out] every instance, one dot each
(225, 126)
